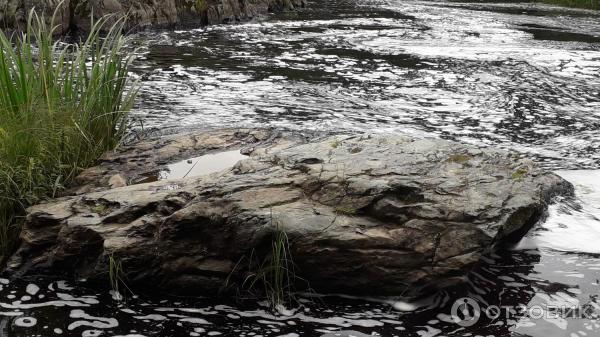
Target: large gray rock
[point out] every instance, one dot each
(369, 214)
(76, 14)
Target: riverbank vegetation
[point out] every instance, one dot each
(589, 4)
(61, 106)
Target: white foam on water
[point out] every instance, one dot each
(194, 320)
(404, 306)
(84, 299)
(32, 289)
(94, 322)
(429, 332)
(10, 313)
(568, 228)
(267, 322)
(91, 333)
(25, 322)
(153, 317)
(282, 310)
(334, 320)
(202, 311)
(115, 295)
(63, 285)
(16, 305)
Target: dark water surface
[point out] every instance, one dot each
(513, 75)
(519, 76)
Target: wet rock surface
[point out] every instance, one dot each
(367, 214)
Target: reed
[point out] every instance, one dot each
(274, 275)
(61, 106)
(117, 278)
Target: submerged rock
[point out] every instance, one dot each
(363, 214)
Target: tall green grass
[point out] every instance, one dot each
(61, 106)
(275, 273)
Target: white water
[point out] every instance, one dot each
(572, 226)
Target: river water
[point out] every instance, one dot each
(518, 76)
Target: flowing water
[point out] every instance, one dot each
(513, 75)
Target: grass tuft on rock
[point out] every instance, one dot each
(61, 106)
(347, 211)
(275, 274)
(116, 277)
(272, 277)
(200, 5)
(459, 158)
(520, 173)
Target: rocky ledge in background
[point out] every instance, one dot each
(75, 15)
(364, 214)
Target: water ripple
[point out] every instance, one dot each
(512, 76)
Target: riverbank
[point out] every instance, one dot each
(587, 4)
(58, 118)
(61, 107)
(75, 16)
